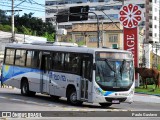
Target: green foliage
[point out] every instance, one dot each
(27, 24)
(36, 25)
(50, 37)
(1, 27)
(158, 67)
(4, 20)
(150, 90)
(6, 28)
(26, 31)
(80, 43)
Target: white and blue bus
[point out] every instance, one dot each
(81, 74)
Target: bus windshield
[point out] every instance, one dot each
(114, 74)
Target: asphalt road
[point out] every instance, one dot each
(12, 100)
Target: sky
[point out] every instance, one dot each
(35, 6)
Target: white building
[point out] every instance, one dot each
(110, 7)
(151, 31)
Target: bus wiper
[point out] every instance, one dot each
(109, 64)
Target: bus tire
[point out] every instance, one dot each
(72, 98)
(31, 93)
(25, 88)
(56, 98)
(105, 104)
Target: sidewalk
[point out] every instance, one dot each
(146, 98)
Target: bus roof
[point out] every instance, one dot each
(49, 47)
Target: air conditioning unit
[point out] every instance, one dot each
(61, 32)
(115, 46)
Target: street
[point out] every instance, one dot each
(12, 100)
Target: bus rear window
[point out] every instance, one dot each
(9, 57)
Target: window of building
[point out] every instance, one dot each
(9, 57)
(92, 38)
(20, 57)
(113, 38)
(150, 34)
(155, 35)
(142, 5)
(79, 38)
(155, 26)
(155, 17)
(156, 10)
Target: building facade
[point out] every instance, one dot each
(148, 28)
(152, 33)
(111, 34)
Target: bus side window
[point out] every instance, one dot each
(35, 59)
(58, 61)
(9, 57)
(75, 63)
(32, 59)
(66, 63)
(87, 67)
(29, 54)
(20, 57)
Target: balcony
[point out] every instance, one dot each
(150, 25)
(150, 13)
(150, 34)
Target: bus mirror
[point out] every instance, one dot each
(94, 66)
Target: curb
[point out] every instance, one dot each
(158, 95)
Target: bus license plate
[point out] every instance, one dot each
(115, 101)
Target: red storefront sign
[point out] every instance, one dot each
(131, 42)
(130, 16)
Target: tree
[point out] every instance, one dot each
(3, 18)
(50, 37)
(27, 24)
(34, 26)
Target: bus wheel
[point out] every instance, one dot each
(72, 98)
(55, 97)
(105, 104)
(25, 88)
(31, 93)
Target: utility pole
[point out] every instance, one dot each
(122, 2)
(56, 36)
(13, 35)
(12, 20)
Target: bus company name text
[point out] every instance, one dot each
(57, 77)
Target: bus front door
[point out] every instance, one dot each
(45, 80)
(86, 84)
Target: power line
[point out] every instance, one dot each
(25, 8)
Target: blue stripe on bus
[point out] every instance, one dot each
(105, 93)
(11, 71)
